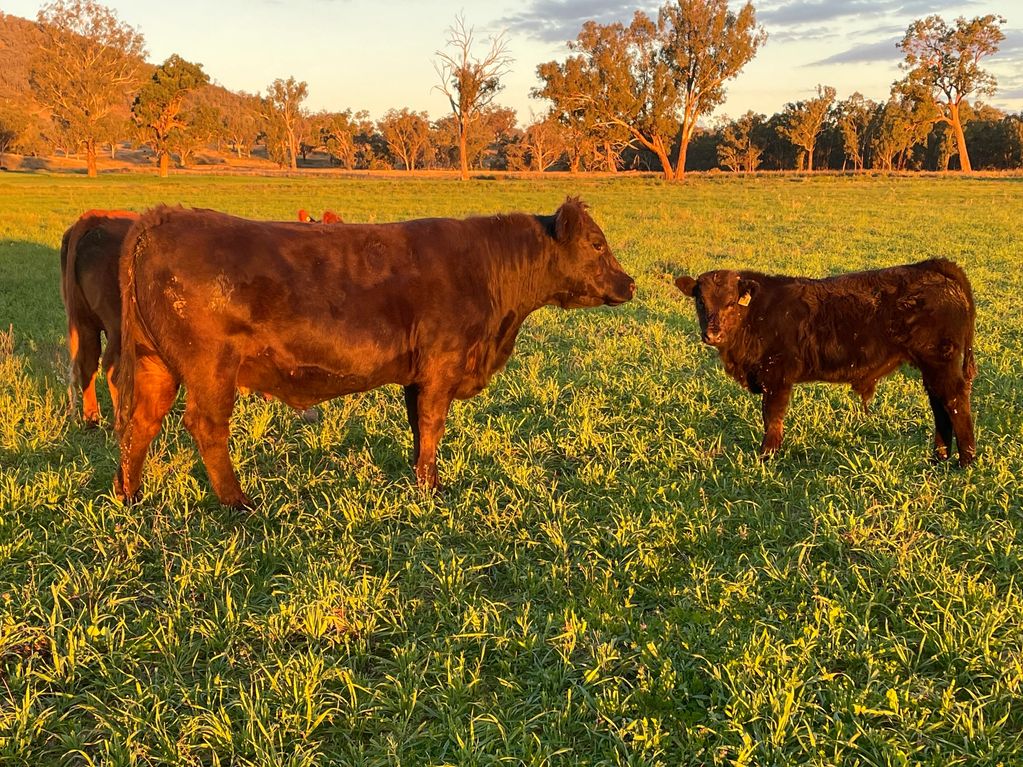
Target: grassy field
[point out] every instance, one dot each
(612, 577)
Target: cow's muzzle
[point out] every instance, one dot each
(624, 290)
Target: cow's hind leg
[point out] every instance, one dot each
(949, 394)
(208, 419)
(111, 357)
(152, 394)
(84, 343)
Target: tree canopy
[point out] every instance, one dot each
(86, 66)
(943, 64)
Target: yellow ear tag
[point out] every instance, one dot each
(744, 301)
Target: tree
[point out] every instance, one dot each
(241, 121)
(544, 143)
(578, 98)
(284, 107)
(655, 80)
(738, 150)
(855, 117)
(904, 121)
(200, 125)
(157, 107)
(470, 83)
(86, 66)
(804, 120)
(13, 123)
(337, 135)
(944, 62)
(407, 134)
(704, 45)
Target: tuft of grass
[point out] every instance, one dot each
(612, 577)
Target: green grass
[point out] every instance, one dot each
(612, 578)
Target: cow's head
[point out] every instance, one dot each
(588, 274)
(722, 300)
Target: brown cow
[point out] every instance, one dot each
(773, 332)
(88, 285)
(311, 313)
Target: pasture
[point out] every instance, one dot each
(612, 576)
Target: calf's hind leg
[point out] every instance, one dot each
(208, 419)
(949, 394)
(153, 390)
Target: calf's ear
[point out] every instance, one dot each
(747, 289)
(686, 284)
(568, 221)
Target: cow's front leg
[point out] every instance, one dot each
(431, 410)
(412, 411)
(775, 403)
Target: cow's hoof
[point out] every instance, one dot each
(126, 498)
(940, 455)
(91, 422)
(965, 459)
(310, 415)
(240, 502)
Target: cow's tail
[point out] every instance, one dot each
(67, 286)
(133, 327)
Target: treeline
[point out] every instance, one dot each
(631, 96)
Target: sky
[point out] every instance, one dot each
(374, 55)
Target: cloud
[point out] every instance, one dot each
(883, 50)
(560, 20)
(797, 12)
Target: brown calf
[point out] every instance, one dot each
(773, 332)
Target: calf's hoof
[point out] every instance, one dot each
(966, 458)
(940, 455)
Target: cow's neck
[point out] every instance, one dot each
(521, 277)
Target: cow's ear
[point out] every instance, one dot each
(747, 289)
(686, 284)
(303, 215)
(568, 221)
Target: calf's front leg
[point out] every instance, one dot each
(775, 403)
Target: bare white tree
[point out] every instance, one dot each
(470, 83)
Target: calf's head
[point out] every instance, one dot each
(722, 300)
(586, 272)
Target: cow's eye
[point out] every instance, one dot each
(598, 246)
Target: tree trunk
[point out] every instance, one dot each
(809, 159)
(164, 164)
(662, 156)
(90, 158)
(957, 126)
(462, 151)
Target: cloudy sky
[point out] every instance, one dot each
(377, 54)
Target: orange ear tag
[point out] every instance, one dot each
(744, 301)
